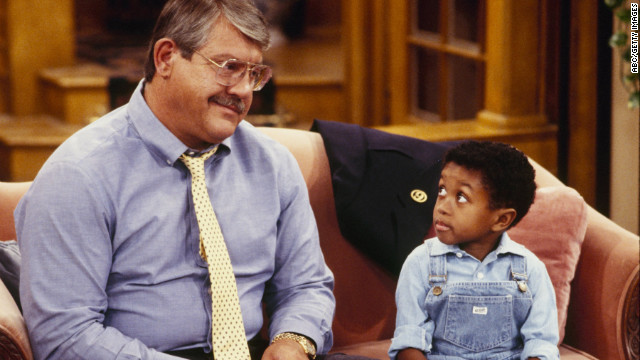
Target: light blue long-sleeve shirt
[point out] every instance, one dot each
(109, 242)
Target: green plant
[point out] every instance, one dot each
(620, 41)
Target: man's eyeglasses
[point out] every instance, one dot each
(232, 71)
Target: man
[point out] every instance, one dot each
(108, 233)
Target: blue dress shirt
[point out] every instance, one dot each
(415, 326)
(109, 242)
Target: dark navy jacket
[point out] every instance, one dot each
(374, 175)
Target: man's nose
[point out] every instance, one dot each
(244, 87)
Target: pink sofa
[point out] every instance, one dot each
(602, 315)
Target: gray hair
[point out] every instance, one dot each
(188, 23)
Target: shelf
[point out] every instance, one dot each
(315, 60)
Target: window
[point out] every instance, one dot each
(446, 55)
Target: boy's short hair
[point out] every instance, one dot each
(506, 173)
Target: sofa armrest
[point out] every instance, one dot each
(14, 340)
(603, 311)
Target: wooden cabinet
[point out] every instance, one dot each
(33, 35)
(514, 71)
(452, 69)
(26, 143)
(446, 59)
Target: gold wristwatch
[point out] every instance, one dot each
(307, 345)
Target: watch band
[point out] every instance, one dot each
(307, 345)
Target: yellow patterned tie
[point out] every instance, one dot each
(228, 335)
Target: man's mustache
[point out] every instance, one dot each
(231, 101)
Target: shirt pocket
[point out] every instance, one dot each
(478, 323)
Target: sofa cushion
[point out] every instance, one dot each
(373, 349)
(10, 260)
(379, 350)
(14, 340)
(554, 229)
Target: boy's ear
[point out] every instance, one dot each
(504, 219)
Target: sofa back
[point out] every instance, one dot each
(365, 294)
(602, 316)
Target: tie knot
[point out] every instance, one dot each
(197, 162)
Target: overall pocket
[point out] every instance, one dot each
(478, 323)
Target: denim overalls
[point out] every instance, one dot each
(477, 320)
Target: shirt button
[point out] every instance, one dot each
(168, 162)
(459, 255)
(480, 275)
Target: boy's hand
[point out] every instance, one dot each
(411, 354)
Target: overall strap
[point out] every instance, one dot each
(519, 271)
(437, 267)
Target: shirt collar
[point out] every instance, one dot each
(156, 137)
(509, 246)
(505, 245)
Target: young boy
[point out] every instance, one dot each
(471, 292)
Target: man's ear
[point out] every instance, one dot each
(164, 51)
(504, 218)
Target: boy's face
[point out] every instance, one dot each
(462, 214)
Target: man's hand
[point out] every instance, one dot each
(284, 349)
